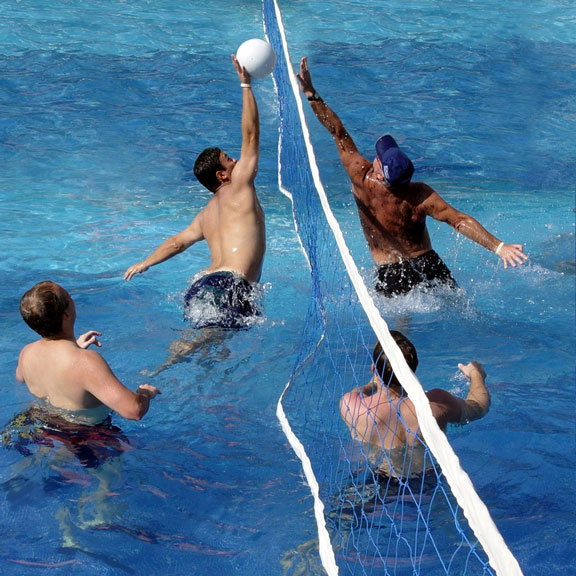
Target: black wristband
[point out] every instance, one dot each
(314, 98)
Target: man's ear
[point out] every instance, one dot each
(222, 176)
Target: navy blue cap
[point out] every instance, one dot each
(397, 167)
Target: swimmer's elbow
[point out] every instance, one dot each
(135, 415)
(135, 412)
(471, 228)
(475, 410)
(177, 246)
(461, 225)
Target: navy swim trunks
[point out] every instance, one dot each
(427, 270)
(223, 298)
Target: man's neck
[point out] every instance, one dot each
(69, 336)
(393, 393)
(222, 186)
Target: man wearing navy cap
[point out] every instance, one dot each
(393, 209)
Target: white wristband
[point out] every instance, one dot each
(244, 85)
(497, 251)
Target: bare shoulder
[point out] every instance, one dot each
(357, 167)
(22, 360)
(438, 395)
(422, 194)
(85, 365)
(90, 356)
(431, 202)
(28, 349)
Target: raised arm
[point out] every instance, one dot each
(477, 401)
(436, 207)
(449, 408)
(353, 162)
(247, 167)
(169, 248)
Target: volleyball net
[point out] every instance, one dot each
(421, 517)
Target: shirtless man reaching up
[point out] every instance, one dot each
(232, 222)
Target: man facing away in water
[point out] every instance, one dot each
(381, 415)
(393, 209)
(77, 384)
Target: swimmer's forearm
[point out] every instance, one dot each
(164, 252)
(144, 394)
(478, 398)
(250, 121)
(510, 254)
(327, 117)
(474, 231)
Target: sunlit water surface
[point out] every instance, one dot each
(104, 108)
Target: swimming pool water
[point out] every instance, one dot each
(103, 107)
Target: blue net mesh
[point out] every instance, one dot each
(385, 514)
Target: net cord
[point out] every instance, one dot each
(325, 549)
(500, 557)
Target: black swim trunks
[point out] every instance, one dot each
(427, 270)
(221, 299)
(370, 490)
(91, 445)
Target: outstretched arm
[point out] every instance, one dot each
(354, 164)
(169, 248)
(247, 167)
(436, 207)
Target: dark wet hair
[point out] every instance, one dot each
(383, 367)
(43, 306)
(206, 166)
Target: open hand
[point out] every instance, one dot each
(245, 78)
(512, 254)
(305, 79)
(89, 338)
(136, 269)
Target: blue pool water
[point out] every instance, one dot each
(102, 108)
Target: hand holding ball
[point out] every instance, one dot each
(257, 56)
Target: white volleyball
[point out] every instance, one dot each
(257, 56)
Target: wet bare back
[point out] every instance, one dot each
(58, 370)
(374, 418)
